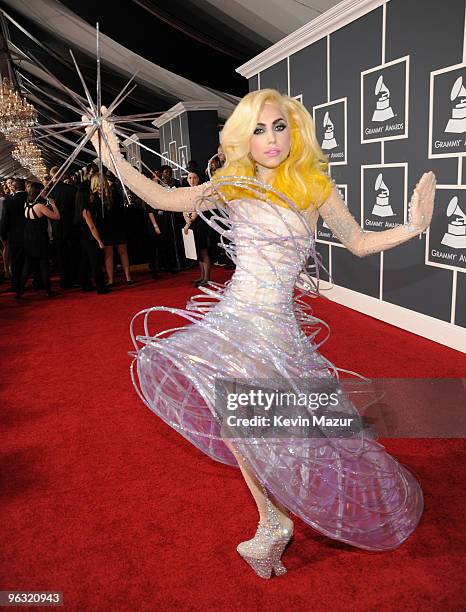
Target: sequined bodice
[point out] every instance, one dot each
(272, 245)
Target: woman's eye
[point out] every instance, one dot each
(280, 127)
(258, 131)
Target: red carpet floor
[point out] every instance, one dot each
(103, 501)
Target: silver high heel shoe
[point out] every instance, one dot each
(263, 553)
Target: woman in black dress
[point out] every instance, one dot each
(205, 236)
(36, 237)
(88, 215)
(113, 230)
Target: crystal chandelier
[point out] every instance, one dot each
(17, 119)
(15, 112)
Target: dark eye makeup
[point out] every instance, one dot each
(279, 127)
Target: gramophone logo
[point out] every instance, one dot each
(383, 110)
(329, 141)
(330, 126)
(455, 236)
(383, 196)
(457, 122)
(447, 112)
(384, 101)
(382, 206)
(446, 245)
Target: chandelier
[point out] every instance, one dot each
(15, 112)
(17, 119)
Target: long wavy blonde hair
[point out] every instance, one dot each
(302, 177)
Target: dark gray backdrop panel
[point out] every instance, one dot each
(203, 135)
(355, 48)
(408, 281)
(275, 77)
(460, 318)
(253, 83)
(308, 74)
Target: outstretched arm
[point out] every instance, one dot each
(181, 199)
(361, 243)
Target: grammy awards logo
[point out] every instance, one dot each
(447, 112)
(383, 110)
(385, 101)
(455, 236)
(331, 131)
(446, 236)
(382, 206)
(329, 141)
(383, 195)
(457, 121)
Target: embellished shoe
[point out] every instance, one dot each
(263, 553)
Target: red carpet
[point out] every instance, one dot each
(103, 501)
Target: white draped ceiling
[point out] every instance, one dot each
(262, 22)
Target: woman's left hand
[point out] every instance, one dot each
(421, 205)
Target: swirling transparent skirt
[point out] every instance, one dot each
(257, 327)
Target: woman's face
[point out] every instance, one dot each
(270, 144)
(193, 179)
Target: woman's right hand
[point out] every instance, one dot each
(101, 244)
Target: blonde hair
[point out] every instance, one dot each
(106, 190)
(302, 177)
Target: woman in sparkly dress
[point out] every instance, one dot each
(259, 330)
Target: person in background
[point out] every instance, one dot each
(113, 229)
(5, 273)
(214, 165)
(12, 229)
(88, 218)
(153, 230)
(205, 236)
(36, 237)
(157, 176)
(172, 256)
(64, 232)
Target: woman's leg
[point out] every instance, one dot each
(201, 271)
(123, 253)
(24, 275)
(95, 259)
(45, 274)
(84, 266)
(257, 489)
(108, 251)
(207, 264)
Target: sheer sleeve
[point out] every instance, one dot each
(182, 199)
(362, 243)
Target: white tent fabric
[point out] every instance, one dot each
(64, 24)
(270, 19)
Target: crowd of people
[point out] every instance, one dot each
(78, 225)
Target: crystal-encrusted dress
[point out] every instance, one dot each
(259, 326)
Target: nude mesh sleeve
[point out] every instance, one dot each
(353, 237)
(182, 199)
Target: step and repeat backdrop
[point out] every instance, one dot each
(387, 93)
